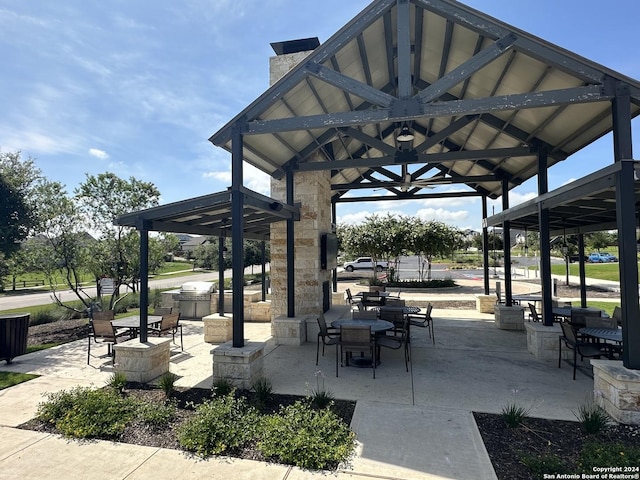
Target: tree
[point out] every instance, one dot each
(430, 239)
(102, 199)
(18, 179)
(599, 240)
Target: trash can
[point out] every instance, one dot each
(13, 335)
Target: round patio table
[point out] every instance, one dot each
(376, 325)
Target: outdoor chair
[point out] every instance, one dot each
(617, 314)
(169, 324)
(364, 315)
(103, 315)
(328, 336)
(499, 299)
(579, 317)
(580, 347)
(399, 339)
(371, 299)
(356, 339)
(351, 301)
(600, 322)
(160, 311)
(103, 332)
(394, 302)
(394, 316)
(424, 320)
(534, 316)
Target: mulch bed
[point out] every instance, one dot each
(538, 437)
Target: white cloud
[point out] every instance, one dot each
(443, 215)
(254, 179)
(101, 154)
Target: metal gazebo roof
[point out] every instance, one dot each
(481, 97)
(211, 215)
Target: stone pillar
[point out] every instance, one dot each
(509, 318)
(218, 328)
(240, 365)
(142, 362)
(312, 190)
(617, 390)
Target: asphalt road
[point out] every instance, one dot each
(25, 299)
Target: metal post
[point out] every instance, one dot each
(545, 242)
(221, 266)
(144, 279)
(291, 296)
(237, 236)
(263, 256)
(485, 246)
(506, 239)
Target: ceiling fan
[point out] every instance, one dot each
(407, 183)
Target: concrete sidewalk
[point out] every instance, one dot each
(416, 425)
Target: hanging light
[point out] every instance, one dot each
(406, 135)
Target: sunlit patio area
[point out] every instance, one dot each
(473, 366)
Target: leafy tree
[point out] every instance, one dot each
(102, 199)
(599, 240)
(431, 239)
(18, 179)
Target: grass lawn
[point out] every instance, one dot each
(9, 379)
(600, 271)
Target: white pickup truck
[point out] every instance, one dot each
(364, 263)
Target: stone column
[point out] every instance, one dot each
(312, 190)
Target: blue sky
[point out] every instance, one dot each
(136, 87)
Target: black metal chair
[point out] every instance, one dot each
(103, 332)
(356, 339)
(534, 316)
(328, 336)
(399, 339)
(580, 347)
(169, 324)
(424, 320)
(353, 302)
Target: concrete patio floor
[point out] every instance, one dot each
(416, 425)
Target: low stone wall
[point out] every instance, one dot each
(218, 328)
(289, 330)
(617, 390)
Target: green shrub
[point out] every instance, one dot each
(596, 454)
(307, 438)
(514, 415)
(320, 397)
(263, 389)
(155, 413)
(117, 381)
(167, 383)
(222, 387)
(85, 413)
(593, 418)
(549, 464)
(220, 424)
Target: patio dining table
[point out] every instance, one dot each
(406, 310)
(567, 311)
(133, 323)
(610, 334)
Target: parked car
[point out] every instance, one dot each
(610, 258)
(364, 263)
(597, 258)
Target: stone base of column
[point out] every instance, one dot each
(617, 390)
(258, 311)
(338, 298)
(485, 303)
(240, 365)
(509, 318)
(142, 362)
(542, 341)
(289, 330)
(218, 328)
